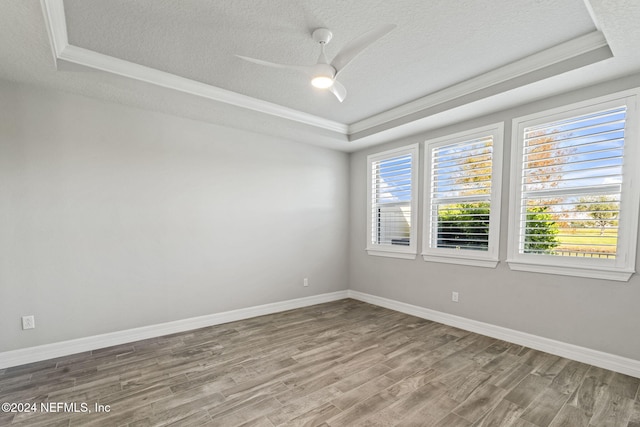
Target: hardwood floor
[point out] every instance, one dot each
(344, 363)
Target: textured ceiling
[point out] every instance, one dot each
(436, 43)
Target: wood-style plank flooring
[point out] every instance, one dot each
(344, 363)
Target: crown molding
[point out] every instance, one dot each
(53, 11)
(56, 23)
(555, 55)
(98, 61)
(67, 56)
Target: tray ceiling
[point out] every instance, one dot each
(436, 43)
(442, 56)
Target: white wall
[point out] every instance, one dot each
(597, 314)
(113, 217)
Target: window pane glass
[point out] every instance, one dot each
(391, 196)
(572, 225)
(571, 186)
(460, 196)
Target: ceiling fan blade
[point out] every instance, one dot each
(356, 46)
(307, 69)
(338, 90)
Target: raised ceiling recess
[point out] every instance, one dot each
(441, 54)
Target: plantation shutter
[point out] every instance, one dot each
(460, 196)
(571, 185)
(391, 192)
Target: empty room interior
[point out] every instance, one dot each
(319, 213)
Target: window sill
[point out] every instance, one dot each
(600, 273)
(390, 254)
(475, 262)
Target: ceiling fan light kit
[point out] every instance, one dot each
(322, 82)
(323, 74)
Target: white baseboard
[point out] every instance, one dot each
(66, 348)
(581, 354)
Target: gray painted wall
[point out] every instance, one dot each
(597, 314)
(113, 218)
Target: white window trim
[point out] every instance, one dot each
(619, 269)
(392, 251)
(489, 258)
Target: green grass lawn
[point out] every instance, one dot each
(575, 239)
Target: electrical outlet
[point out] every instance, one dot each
(305, 282)
(28, 322)
(454, 296)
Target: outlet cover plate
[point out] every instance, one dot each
(28, 322)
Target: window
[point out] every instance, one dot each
(573, 208)
(392, 212)
(462, 197)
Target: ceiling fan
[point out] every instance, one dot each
(323, 74)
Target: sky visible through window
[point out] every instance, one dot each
(588, 150)
(394, 176)
(462, 169)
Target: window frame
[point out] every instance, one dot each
(489, 258)
(395, 251)
(623, 266)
